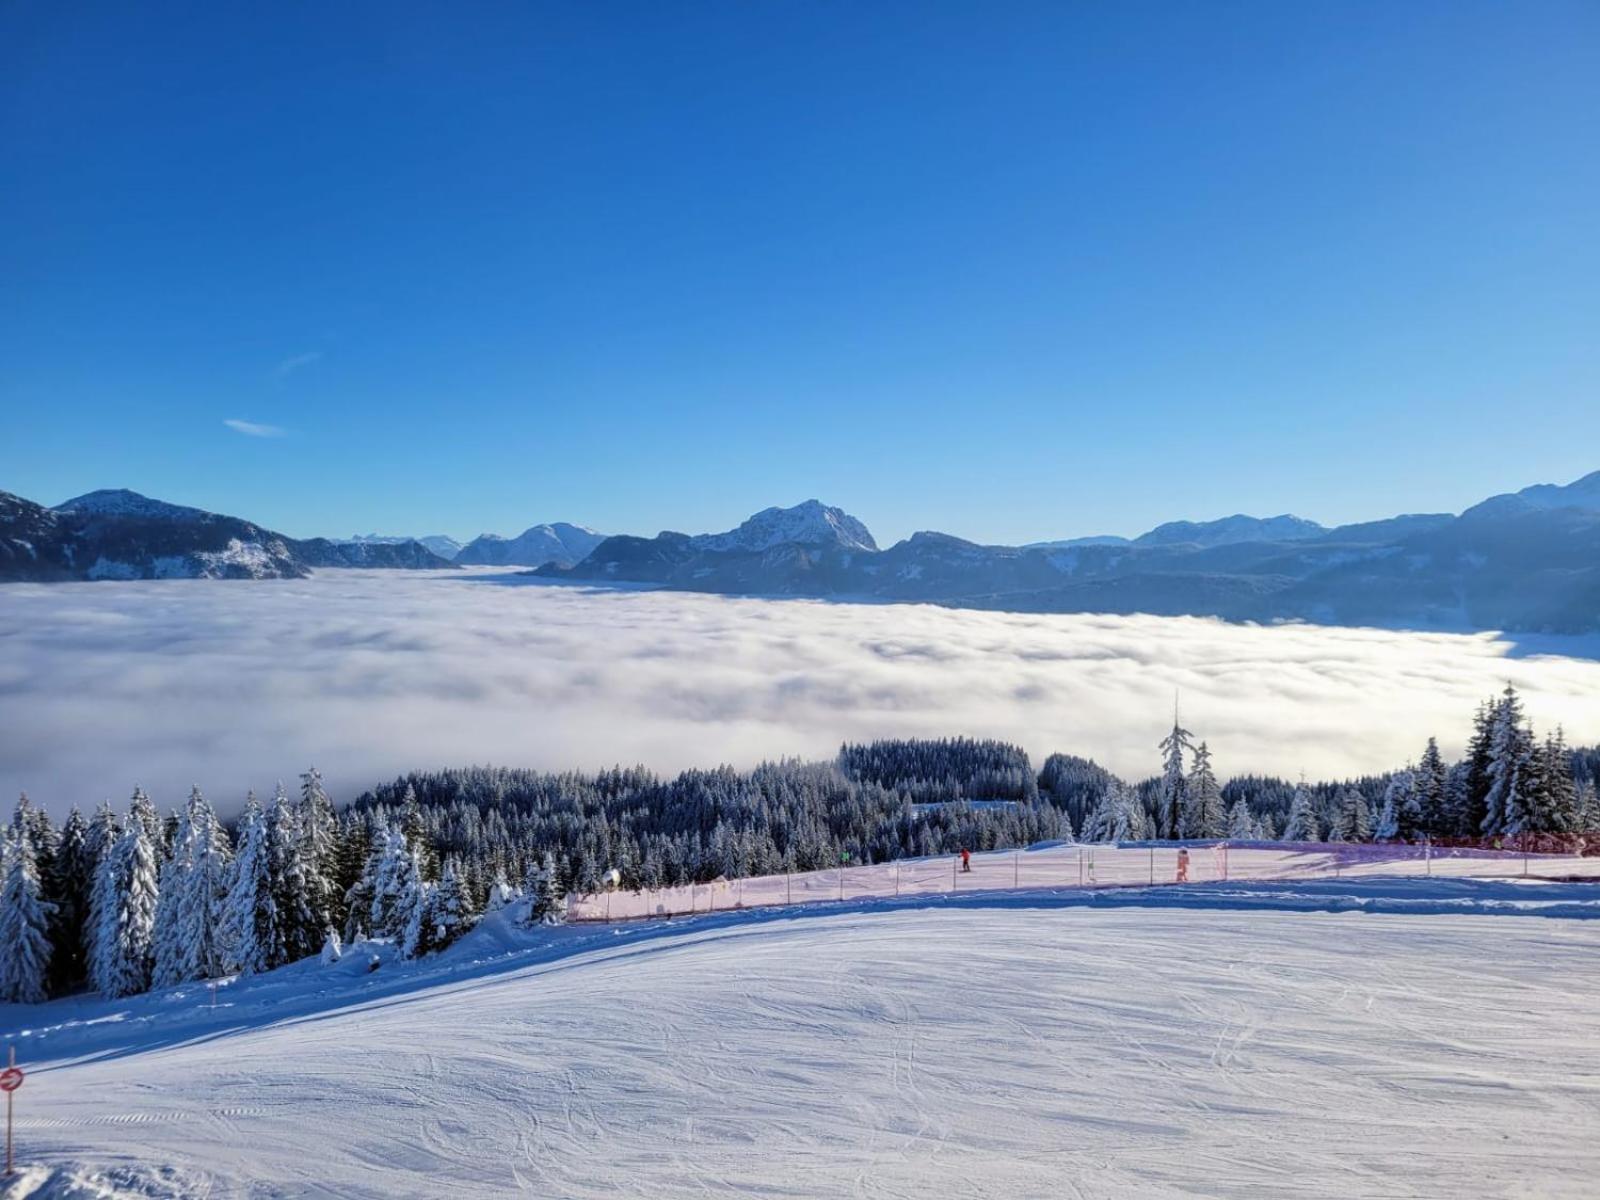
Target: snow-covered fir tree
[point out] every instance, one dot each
(105, 830)
(393, 887)
(1508, 803)
(24, 920)
(1241, 825)
(143, 810)
(292, 873)
(1433, 792)
(548, 897)
(1204, 816)
(1386, 825)
(1301, 823)
(1559, 802)
(419, 902)
(1355, 817)
(254, 930)
(1587, 804)
(1401, 793)
(319, 830)
(453, 907)
(191, 938)
(74, 881)
(125, 895)
(1174, 779)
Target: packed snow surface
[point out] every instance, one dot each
(1031, 1045)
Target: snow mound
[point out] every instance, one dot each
(117, 1183)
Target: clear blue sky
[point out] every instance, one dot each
(1012, 271)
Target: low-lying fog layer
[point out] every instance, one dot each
(366, 674)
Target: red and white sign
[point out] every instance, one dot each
(10, 1079)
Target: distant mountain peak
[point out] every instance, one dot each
(124, 502)
(559, 542)
(809, 523)
(1240, 527)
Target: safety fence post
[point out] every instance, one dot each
(1016, 868)
(788, 890)
(1152, 864)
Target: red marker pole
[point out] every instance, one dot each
(10, 1081)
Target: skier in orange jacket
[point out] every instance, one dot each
(1183, 865)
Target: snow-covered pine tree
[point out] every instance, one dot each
(255, 934)
(319, 829)
(419, 902)
(292, 874)
(353, 847)
(1560, 801)
(126, 891)
(453, 907)
(210, 879)
(1386, 825)
(105, 830)
(1301, 823)
(25, 946)
(74, 881)
(332, 947)
(1472, 811)
(1355, 817)
(1433, 792)
(1402, 787)
(1174, 779)
(191, 935)
(1241, 825)
(1507, 804)
(548, 898)
(143, 810)
(501, 894)
(393, 890)
(415, 828)
(1587, 804)
(1203, 796)
(166, 948)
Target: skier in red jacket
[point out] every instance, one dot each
(966, 859)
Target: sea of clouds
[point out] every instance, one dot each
(235, 684)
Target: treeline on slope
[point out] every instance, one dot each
(125, 902)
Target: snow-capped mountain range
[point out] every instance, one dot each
(808, 523)
(441, 544)
(558, 542)
(119, 534)
(1527, 560)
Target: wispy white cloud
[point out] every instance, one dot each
(293, 363)
(367, 674)
(254, 428)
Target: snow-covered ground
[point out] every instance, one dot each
(1359, 1037)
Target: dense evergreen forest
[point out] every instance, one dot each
(122, 902)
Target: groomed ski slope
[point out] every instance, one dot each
(1373, 1038)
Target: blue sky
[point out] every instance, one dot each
(1011, 271)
